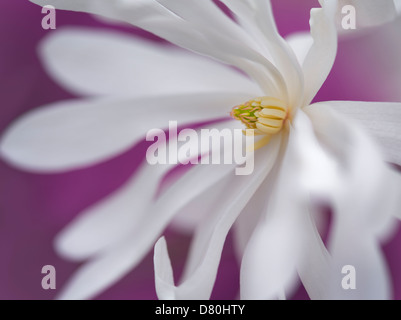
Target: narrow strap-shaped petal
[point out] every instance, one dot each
(358, 154)
(277, 246)
(112, 264)
(364, 205)
(300, 43)
(257, 18)
(381, 119)
(230, 197)
(74, 134)
(315, 267)
(105, 223)
(105, 269)
(268, 265)
(321, 56)
(250, 215)
(92, 62)
(397, 4)
(158, 19)
(364, 254)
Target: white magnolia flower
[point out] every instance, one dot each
(307, 151)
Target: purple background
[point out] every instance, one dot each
(35, 207)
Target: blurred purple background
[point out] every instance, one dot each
(35, 207)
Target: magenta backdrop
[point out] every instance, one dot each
(35, 207)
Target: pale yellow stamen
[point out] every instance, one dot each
(265, 115)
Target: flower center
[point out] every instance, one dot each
(266, 115)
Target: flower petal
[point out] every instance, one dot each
(92, 62)
(364, 204)
(109, 266)
(104, 224)
(268, 265)
(315, 267)
(193, 33)
(362, 252)
(381, 119)
(275, 248)
(321, 56)
(300, 43)
(225, 200)
(249, 217)
(70, 135)
(111, 219)
(257, 18)
(163, 270)
(360, 193)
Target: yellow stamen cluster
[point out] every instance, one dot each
(266, 115)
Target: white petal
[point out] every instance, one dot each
(300, 43)
(104, 224)
(370, 12)
(163, 270)
(225, 201)
(364, 253)
(322, 273)
(268, 265)
(109, 266)
(360, 193)
(257, 18)
(249, 217)
(92, 62)
(195, 34)
(381, 119)
(364, 205)
(397, 4)
(69, 135)
(321, 56)
(315, 267)
(218, 37)
(111, 219)
(274, 250)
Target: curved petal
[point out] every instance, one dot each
(364, 204)
(268, 265)
(275, 248)
(114, 262)
(181, 28)
(363, 252)
(111, 219)
(93, 62)
(107, 222)
(397, 4)
(249, 217)
(257, 18)
(70, 135)
(163, 270)
(381, 119)
(320, 58)
(225, 200)
(366, 195)
(300, 43)
(315, 267)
